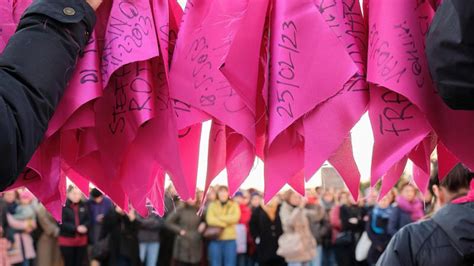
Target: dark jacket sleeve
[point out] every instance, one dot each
(450, 53)
(35, 68)
(253, 224)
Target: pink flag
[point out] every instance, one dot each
(446, 161)
(397, 61)
(392, 176)
(204, 40)
(284, 163)
(85, 86)
(130, 36)
(397, 121)
(398, 126)
(344, 163)
(127, 103)
(305, 72)
(421, 178)
(305, 63)
(325, 128)
(211, 34)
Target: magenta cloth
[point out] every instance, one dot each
(468, 198)
(398, 123)
(414, 208)
(325, 129)
(206, 60)
(397, 61)
(446, 161)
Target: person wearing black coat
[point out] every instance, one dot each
(445, 239)
(149, 236)
(352, 225)
(35, 68)
(121, 229)
(73, 230)
(266, 229)
(450, 53)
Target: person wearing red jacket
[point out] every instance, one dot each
(243, 232)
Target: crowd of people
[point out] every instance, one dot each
(327, 227)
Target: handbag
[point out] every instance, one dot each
(212, 232)
(289, 245)
(101, 249)
(363, 247)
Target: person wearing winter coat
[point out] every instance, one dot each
(297, 245)
(347, 221)
(120, 230)
(223, 213)
(408, 209)
(22, 251)
(266, 228)
(445, 239)
(377, 227)
(149, 237)
(48, 252)
(73, 238)
(35, 68)
(188, 226)
(166, 236)
(243, 235)
(99, 205)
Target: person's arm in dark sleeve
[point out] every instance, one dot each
(35, 69)
(450, 53)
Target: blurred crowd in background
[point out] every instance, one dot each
(326, 227)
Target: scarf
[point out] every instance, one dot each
(468, 198)
(414, 208)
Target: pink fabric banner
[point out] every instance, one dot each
(212, 35)
(127, 103)
(204, 40)
(392, 176)
(344, 163)
(85, 86)
(130, 36)
(446, 161)
(325, 128)
(397, 61)
(397, 121)
(304, 52)
(284, 163)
